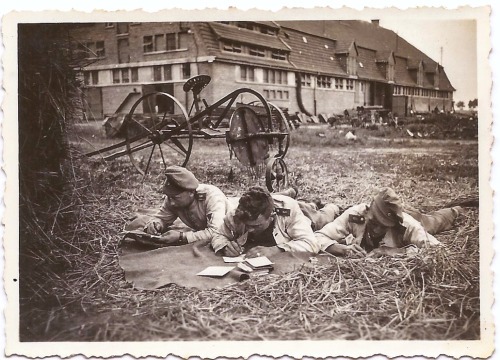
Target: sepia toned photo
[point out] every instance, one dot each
(226, 184)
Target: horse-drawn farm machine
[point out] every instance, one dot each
(255, 129)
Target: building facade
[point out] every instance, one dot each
(311, 67)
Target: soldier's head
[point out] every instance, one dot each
(180, 186)
(255, 209)
(385, 212)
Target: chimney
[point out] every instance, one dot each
(376, 22)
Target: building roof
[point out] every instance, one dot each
(312, 53)
(373, 37)
(228, 32)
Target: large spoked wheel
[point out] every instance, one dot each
(276, 175)
(158, 137)
(280, 124)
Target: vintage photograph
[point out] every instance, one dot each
(250, 179)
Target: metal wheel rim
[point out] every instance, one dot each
(274, 182)
(158, 128)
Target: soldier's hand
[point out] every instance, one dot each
(153, 227)
(170, 237)
(353, 251)
(232, 249)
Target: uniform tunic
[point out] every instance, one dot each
(204, 215)
(291, 231)
(350, 227)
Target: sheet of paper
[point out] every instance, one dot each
(237, 259)
(216, 271)
(244, 267)
(259, 261)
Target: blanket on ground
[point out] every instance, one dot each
(151, 269)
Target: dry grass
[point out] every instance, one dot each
(78, 292)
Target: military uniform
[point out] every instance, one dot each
(202, 216)
(350, 228)
(291, 228)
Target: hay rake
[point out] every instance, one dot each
(254, 129)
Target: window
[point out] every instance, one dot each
(324, 81)
(134, 74)
(167, 72)
(279, 94)
(159, 42)
(171, 41)
(232, 47)
(91, 77)
(122, 28)
(99, 49)
(109, 25)
(339, 83)
(157, 73)
(352, 65)
(390, 72)
(349, 84)
(306, 80)
(267, 31)
(278, 55)
(92, 49)
(162, 72)
(116, 76)
(271, 76)
(186, 71)
(285, 95)
(247, 73)
(244, 25)
(148, 44)
(266, 94)
(257, 51)
(125, 76)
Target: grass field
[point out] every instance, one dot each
(78, 292)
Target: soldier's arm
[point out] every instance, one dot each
(300, 232)
(164, 215)
(223, 234)
(415, 234)
(337, 230)
(215, 212)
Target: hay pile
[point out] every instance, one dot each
(79, 293)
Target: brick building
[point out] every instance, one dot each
(311, 67)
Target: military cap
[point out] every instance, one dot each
(179, 179)
(386, 208)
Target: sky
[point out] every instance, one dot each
(456, 38)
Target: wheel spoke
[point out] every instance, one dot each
(141, 125)
(162, 157)
(176, 149)
(179, 145)
(149, 159)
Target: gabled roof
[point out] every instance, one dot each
(369, 69)
(383, 56)
(312, 53)
(344, 46)
(211, 47)
(228, 32)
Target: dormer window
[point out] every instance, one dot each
(278, 55)
(352, 68)
(232, 47)
(257, 51)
